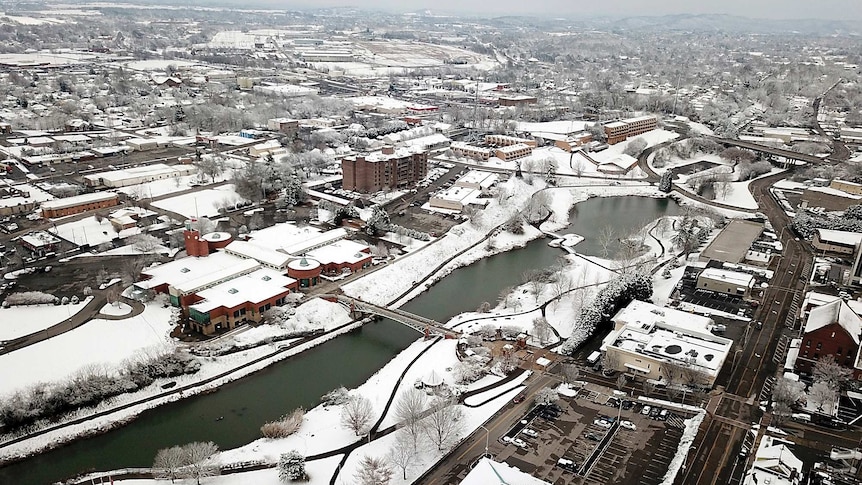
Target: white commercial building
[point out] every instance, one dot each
(664, 344)
(727, 282)
(774, 464)
(138, 175)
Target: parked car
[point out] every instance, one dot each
(646, 410)
(654, 412)
(567, 464)
(530, 432)
(628, 425)
(518, 398)
(593, 437)
(519, 443)
(602, 423)
(758, 325)
(662, 416)
(628, 404)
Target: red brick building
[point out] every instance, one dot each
(389, 168)
(621, 130)
(834, 330)
(78, 204)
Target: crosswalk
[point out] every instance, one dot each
(766, 390)
(781, 349)
(676, 421)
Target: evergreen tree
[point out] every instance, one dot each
(666, 182)
(291, 467)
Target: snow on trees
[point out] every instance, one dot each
(409, 410)
(616, 294)
(291, 467)
(373, 471)
(403, 453)
(635, 147)
(336, 397)
(830, 372)
(469, 370)
(192, 460)
(546, 395)
(356, 414)
(666, 183)
(211, 166)
(785, 394)
(145, 243)
(542, 330)
(821, 396)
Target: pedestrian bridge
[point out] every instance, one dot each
(419, 323)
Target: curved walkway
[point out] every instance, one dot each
(137, 309)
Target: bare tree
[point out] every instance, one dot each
(408, 411)
(198, 460)
(504, 296)
(357, 413)
(570, 373)
(168, 463)
(785, 394)
(821, 396)
(145, 243)
(542, 330)
(403, 453)
(534, 280)
(443, 425)
(648, 387)
(284, 426)
(211, 166)
(831, 372)
(607, 236)
(622, 380)
(610, 362)
(373, 471)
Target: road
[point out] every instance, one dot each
(718, 445)
(473, 446)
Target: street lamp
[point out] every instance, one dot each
(487, 434)
(685, 459)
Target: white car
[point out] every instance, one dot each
(628, 425)
(519, 443)
(602, 423)
(530, 432)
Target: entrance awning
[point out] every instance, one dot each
(637, 368)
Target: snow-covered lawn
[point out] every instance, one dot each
(90, 231)
(96, 343)
(202, 203)
(23, 320)
(116, 309)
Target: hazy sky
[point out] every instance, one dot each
(780, 9)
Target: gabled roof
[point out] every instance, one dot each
(489, 472)
(835, 312)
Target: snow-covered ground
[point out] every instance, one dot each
(90, 231)
(23, 320)
(202, 203)
(116, 309)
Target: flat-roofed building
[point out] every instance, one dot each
(726, 282)
(846, 186)
(664, 344)
(340, 256)
(480, 154)
(238, 300)
(837, 242)
(732, 243)
(269, 258)
(506, 140)
(138, 175)
(40, 242)
(622, 130)
(390, 168)
(287, 126)
(513, 152)
(79, 203)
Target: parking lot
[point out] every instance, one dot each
(597, 437)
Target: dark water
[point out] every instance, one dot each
(347, 361)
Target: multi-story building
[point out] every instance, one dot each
(389, 168)
(78, 204)
(506, 140)
(513, 152)
(834, 330)
(664, 344)
(621, 130)
(480, 154)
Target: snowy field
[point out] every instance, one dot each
(23, 320)
(205, 203)
(96, 343)
(116, 309)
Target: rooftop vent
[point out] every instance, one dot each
(184, 270)
(233, 291)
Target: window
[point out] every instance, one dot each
(838, 352)
(808, 343)
(819, 346)
(833, 335)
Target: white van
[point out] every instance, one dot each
(594, 357)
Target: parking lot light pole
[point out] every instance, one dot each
(487, 434)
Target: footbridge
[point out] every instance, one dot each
(419, 323)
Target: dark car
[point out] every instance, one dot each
(628, 405)
(555, 408)
(548, 416)
(654, 412)
(593, 437)
(518, 398)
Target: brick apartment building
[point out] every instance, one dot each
(389, 168)
(621, 130)
(832, 330)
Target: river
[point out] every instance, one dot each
(232, 416)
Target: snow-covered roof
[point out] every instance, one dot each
(641, 313)
(190, 274)
(78, 200)
(844, 238)
(774, 464)
(340, 252)
(144, 171)
(835, 312)
(315, 241)
(263, 255)
(741, 280)
(255, 287)
(432, 379)
(835, 192)
(40, 238)
(489, 472)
